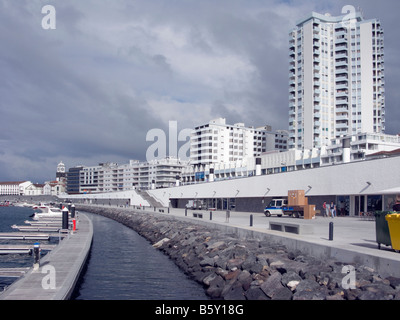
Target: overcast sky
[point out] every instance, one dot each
(90, 90)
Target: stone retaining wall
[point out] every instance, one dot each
(237, 269)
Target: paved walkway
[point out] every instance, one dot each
(59, 270)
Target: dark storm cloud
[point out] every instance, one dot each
(90, 90)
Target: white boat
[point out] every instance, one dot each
(24, 204)
(47, 212)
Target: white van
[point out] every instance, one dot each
(274, 208)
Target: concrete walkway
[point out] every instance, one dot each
(59, 270)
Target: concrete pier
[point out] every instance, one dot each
(59, 270)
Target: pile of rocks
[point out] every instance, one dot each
(235, 269)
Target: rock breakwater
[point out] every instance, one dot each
(238, 269)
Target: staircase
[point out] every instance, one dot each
(153, 202)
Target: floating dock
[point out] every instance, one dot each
(25, 236)
(37, 228)
(58, 271)
(17, 248)
(46, 223)
(13, 272)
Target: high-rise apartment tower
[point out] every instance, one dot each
(336, 79)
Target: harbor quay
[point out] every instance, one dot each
(238, 256)
(55, 276)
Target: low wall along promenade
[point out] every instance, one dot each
(235, 268)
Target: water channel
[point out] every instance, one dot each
(125, 266)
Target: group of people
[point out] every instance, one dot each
(329, 208)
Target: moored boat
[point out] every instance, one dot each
(5, 203)
(47, 212)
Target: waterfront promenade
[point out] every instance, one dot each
(354, 238)
(59, 270)
(354, 241)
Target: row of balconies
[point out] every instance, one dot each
(341, 79)
(342, 62)
(343, 107)
(341, 39)
(202, 138)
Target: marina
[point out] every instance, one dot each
(191, 125)
(65, 259)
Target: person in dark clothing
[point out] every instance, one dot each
(396, 206)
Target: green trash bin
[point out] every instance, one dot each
(382, 228)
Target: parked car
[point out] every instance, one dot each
(274, 208)
(279, 207)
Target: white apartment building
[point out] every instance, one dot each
(358, 147)
(88, 179)
(130, 174)
(113, 177)
(161, 173)
(275, 141)
(336, 79)
(109, 177)
(218, 142)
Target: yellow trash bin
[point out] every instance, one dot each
(394, 229)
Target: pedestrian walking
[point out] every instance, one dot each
(333, 209)
(342, 208)
(396, 206)
(326, 209)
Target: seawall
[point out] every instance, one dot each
(233, 267)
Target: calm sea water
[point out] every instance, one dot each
(8, 217)
(125, 266)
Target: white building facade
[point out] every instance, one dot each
(161, 173)
(218, 142)
(336, 79)
(113, 177)
(267, 163)
(15, 187)
(358, 147)
(356, 183)
(34, 189)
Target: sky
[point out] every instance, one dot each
(89, 89)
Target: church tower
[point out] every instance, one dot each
(60, 174)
